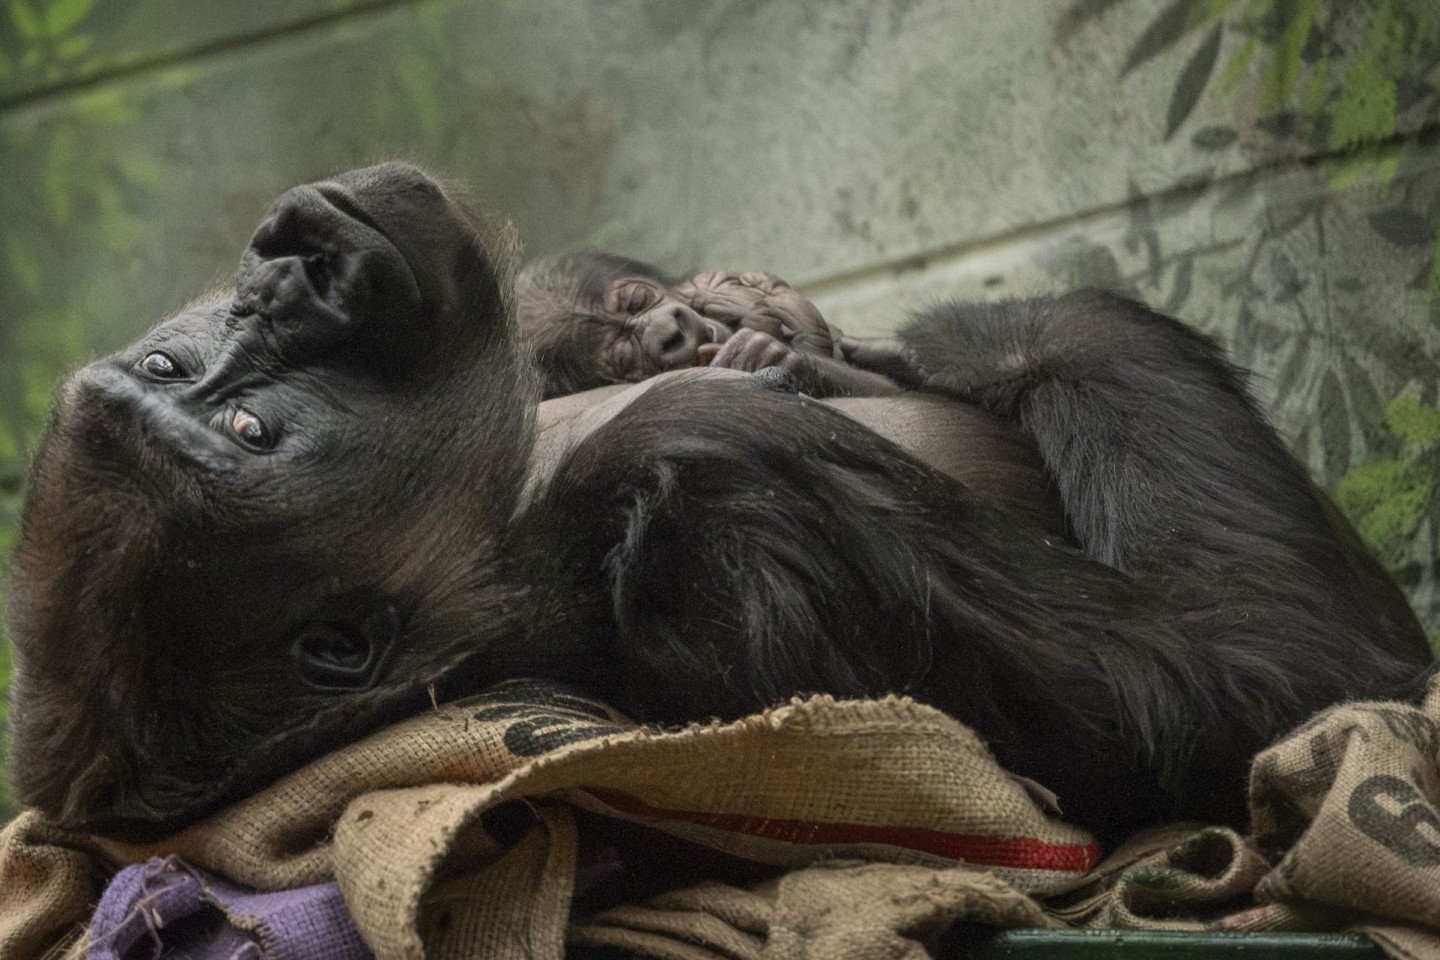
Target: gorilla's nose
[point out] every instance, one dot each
(672, 334)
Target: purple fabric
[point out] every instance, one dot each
(165, 909)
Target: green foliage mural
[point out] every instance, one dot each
(1394, 499)
(1358, 84)
(1344, 78)
(49, 41)
(1318, 84)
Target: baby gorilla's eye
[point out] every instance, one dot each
(250, 429)
(161, 366)
(634, 297)
(640, 298)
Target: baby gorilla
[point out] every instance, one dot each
(595, 318)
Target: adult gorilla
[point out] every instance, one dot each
(276, 520)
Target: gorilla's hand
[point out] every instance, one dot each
(886, 356)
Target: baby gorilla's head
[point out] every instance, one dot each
(594, 318)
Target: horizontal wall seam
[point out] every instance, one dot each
(880, 270)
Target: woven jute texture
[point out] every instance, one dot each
(875, 826)
(49, 881)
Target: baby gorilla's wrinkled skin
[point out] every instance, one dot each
(763, 303)
(594, 319)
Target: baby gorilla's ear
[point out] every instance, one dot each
(323, 276)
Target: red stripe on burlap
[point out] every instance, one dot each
(1021, 853)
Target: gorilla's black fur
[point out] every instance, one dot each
(274, 522)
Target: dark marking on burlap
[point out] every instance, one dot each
(1396, 815)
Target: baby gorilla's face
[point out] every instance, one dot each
(645, 329)
(759, 301)
(592, 318)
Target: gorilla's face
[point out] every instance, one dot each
(232, 524)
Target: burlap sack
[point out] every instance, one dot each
(1347, 808)
(49, 882)
(1178, 877)
(833, 911)
(405, 822)
(1349, 804)
(886, 780)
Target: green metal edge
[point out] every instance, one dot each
(1134, 944)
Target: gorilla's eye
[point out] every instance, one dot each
(250, 429)
(634, 297)
(161, 366)
(640, 298)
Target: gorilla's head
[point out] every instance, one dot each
(263, 528)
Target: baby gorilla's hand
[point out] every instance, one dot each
(816, 374)
(750, 350)
(762, 302)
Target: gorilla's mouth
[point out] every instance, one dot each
(321, 270)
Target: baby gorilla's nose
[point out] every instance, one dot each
(672, 333)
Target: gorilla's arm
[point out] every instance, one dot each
(998, 465)
(734, 567)
(1168, 472)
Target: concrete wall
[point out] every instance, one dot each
(1269, 169)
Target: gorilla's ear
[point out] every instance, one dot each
(347, 651)
(322, 275)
